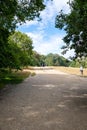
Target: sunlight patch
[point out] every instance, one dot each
(49, 86)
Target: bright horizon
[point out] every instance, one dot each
(46, 38)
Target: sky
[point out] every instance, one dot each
(46, 38)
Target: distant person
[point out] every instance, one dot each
(81, 70)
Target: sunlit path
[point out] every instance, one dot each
(47, 70)
(47, 101)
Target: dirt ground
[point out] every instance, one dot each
(50, 100)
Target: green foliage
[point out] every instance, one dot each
(12, 78)
(48, 60)
(37, 59)
(20, 50)
(18, 11)
(74, 24)
(12, 13)
(79, 62)
(56, 60)
(17, 52)
(75, 63)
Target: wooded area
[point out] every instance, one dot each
(17, 47)
(12, 13)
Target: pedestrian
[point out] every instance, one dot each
(81, 70)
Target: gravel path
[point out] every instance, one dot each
(48, 101)
(46, 70)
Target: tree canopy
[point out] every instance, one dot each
(12, 13)
(19, 51)
(75, 26)
(18, 11)
(56, 60)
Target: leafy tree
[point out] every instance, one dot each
(37, 59)
(56, 60)
(79, 62)
(75, 26)
(18, 11)
(75, 63)
(23, 41)
(49, 59)
(15, 12)
(20, 50)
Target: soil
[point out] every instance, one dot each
(50, 100)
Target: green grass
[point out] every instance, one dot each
(12, 78)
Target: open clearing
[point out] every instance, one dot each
(50, 100)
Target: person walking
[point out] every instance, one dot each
(81, 70)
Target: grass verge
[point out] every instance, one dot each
(13, 78)
(71, 70)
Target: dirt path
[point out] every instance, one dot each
(47, 70)
(48, 101)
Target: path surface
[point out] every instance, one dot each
(48, 101)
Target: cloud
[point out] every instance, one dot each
(42, 46)
(52, 9)
(69, 54)
(43, 41)
(51, 45)
(58, 5)
(30, 23)
(49, 13)
(37, 37)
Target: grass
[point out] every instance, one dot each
(18, 77)
(71, 70)
(13, 78)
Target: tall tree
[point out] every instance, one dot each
(20, 50)
(75, 26)
(56, 60)
(18, 11)
(37, 59)
(13, 12)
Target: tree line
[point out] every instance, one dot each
(49, 60)
(13, 12)
(19, 52)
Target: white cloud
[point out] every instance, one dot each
(49, 13)
(42, 42)
(59, 4)
(36, 37)
(30, 23)
(52, 8)
(51, 45)
(69, 54)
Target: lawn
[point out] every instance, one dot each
(14, 77)
(71, 70)
(18, 77)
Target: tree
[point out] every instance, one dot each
(56, 60)
(37, 59)
(75, 26)
(19, 50)
(49, 59)
(18, 11)
(15, 12)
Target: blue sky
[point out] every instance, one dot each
(46, 38)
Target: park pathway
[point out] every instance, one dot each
(50, 100)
